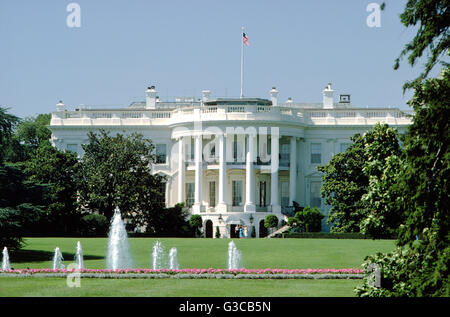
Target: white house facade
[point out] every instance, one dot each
(234, 161)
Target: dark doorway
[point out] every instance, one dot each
(262, 229)
(208, 229)
(233, 233)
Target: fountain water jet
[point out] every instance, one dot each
(173, 259)
(79, 256)
(158, 256)
(6, 265)
(57, 260)
(118, 256)
(234, 257)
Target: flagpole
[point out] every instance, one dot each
(242, 63)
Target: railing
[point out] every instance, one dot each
(128, 116)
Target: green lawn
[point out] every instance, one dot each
(196, 253)
(206, 253)
(177, 288)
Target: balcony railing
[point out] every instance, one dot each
(129, 116)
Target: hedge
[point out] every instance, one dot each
(328, 235)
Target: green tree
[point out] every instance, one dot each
(168, 222)
(27, 137)
(196, 223)
(431, 17)
(115, 171)
(383, 163)
(344, 184)
(21, 204)
(307, 220)
(94, 225)
(420, 264)
(218, 232)
(8, 122)
(270, 221)
(20, 199)
(57, 169)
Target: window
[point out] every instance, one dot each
(162, 191)
(72, 148)
(192, 150)
(344, 146)
(285, 152)
(316, 153)
(237, 193)
(315, 199)
(212, 194)
(262, 194)
(190, 189)
(284, 194)
(160, 153)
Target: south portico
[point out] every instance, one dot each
(227, 173)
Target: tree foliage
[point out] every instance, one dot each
(307, 220)
(383, 163)
(58, 170)
(420, 264)
(27, 136)
(20, 199)
(344, 183)
(7, 124)
(270, 221)
(354, 183)
(21, 204)
(432, 20)
(115, 171)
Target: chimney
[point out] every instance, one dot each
(60, 106)
(274, 96)
(328, 97)
(150, 98)
(206, 95)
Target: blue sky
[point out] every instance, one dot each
(183, 47)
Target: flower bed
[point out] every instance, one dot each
(192, 273)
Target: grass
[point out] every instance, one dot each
(177, 288)
(196, 253)
(206, 253)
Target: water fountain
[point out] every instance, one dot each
(6, 265)
(173, 259)
(79, 256)
(234, 256)
(118, 256)
(57, 260)
(158, 256)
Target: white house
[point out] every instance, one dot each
(233, 161)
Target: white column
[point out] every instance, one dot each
(274, 173)
(181, 170)
(222, 206)
(250, 176)
(293, 171)
(198, 174)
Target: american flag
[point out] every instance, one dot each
(245, 38)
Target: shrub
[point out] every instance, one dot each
(217, 232)
(308, 220)
(271, 221)
(94, 225)
(196, 223)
